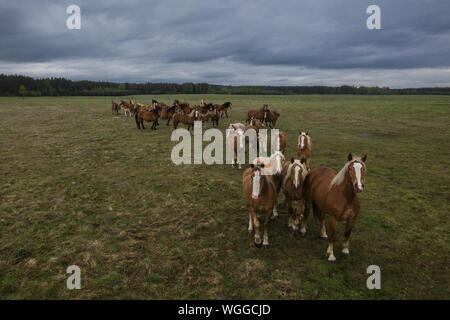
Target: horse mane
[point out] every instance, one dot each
(288, 173)
(339, 178)
(308, 140)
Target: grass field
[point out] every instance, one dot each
(79, 186)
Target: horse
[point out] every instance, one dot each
(126, 107)
(282, 141)
(223, 108)
(114, 108)
(234, 139)
(273, 167)
(256, 123)
(254, 114)
(185, 118)
(236, 126)
(271, 118)
(304, 147)
(293, 177)
(261, 196)
(167, 113)
(214, 116)
(334, 194)
(183, 105)
(149, 116)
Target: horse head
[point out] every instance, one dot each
(355, 170)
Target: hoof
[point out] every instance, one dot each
(303, 234)
(258, 245)
(266, 246)
(323, 238)
(345, 254)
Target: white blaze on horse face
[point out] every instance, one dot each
(296, 173)
(302, 142)
(278, 157)
(256, 178)
(358, 167)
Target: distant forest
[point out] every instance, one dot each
(16, 85)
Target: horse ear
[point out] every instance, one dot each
(364, 158)
(307, 133)
(303, 160)
(292, 160)
(252, 165)
(350, 157)
(262, 165)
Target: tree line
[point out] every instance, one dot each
(18, 85)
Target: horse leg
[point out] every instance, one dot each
(266, 228)
(332, 231)
(142, 124)
(306, 212)
(256, 225)
(298, 215)
(250, 222)
(168, 122)
(290, 212)
(274, 213)
(348, 231)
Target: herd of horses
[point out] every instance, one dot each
(178, 112)
(323, 190)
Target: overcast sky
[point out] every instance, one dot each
(260, 42)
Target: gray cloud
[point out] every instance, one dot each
(230, 42)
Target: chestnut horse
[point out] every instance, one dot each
(271, 118)
(334, 194)
(282, 140)
(115, 108)
(261, 196)
(255, 114)
(294, 174)
(183, 105)
(223, 108)
(273, 167)
(167, 113)
(234, 139)
(149, 116)
(304, 147)
(185, 118)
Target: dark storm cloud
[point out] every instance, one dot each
(215, 41)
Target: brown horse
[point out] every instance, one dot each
(293, 177)
(167, 113)
(149, 116)
(255, 114)
(185, 118)
(183, 106)
(335, 194)
(271, 118)
(115, 108)
(261, 196)
(214, 115)
(304, 147)
(256, 123)
(282, 140)
(274, 168)
(126, 107)
(223, 108)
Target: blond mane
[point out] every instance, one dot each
(339, 178)
(289, 171)
(308, 139)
